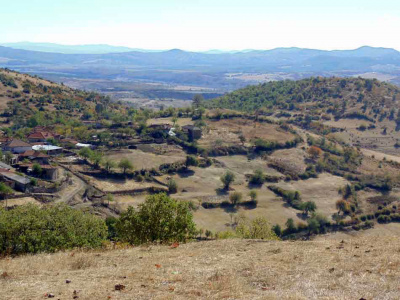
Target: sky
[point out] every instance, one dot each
(199, 25)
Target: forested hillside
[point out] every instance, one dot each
(317, 96)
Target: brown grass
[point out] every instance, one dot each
(232, 269)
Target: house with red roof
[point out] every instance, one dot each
(16, 146)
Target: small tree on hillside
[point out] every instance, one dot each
(253, 195)
(109, 165)
(227, 179)
(342, 206)
(308, 207)
(125, 165)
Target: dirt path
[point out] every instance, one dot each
(70, 191)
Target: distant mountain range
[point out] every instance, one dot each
(206, 69)
(364, 59)
(72, 49)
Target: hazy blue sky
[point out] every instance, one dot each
(204, 24)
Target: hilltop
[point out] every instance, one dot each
(358, 111)
(359, 268)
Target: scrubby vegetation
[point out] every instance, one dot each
(30, 229)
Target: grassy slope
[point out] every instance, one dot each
(227, 269)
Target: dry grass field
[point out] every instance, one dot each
(148, 160)
(327, 268)
(227, 132)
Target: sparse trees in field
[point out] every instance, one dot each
(125, 165)
(227, 179)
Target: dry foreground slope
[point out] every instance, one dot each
(359, 268)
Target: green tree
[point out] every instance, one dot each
(125, 165)
(5, 190)
(198, 101)
(86, 153)
(109, 165)
(227, 179)
(110, 198)
(8, 157)
(159, 219)
(308, 207)
(96, 157)
(290, 226)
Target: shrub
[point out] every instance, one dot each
(253, 195)
(31, 229)
(191, 160)
(159, 219)
(257, 178)
(256, 229)
(277, 229)
(172, 186)
(235, 198)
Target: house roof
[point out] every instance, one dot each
(41, 135)
(4, 166)
(45, 147)
(15, 177)
(17, 143)
(34, 154)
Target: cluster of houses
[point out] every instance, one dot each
(22, 156)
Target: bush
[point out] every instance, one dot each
(172, 186)
(159, 219)
(235, 198)
(257, 178)
(31, 229)
(256, 229)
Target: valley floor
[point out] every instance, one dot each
(326, 268)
